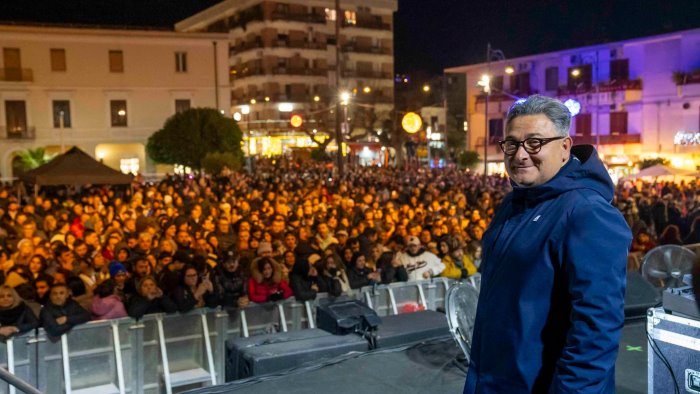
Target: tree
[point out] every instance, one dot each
(646, 163)
(214, 162)
(187, 137)
(33, 158)
(468, 159)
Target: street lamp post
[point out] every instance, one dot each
(491, 54)
(338, 68)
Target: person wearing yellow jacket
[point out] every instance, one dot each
(457, 264)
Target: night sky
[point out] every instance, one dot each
(429, 34)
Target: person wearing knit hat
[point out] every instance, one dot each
(115, 268)
(265, 249)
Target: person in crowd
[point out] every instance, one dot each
(304, 279)
(457, 264)
(195, 291)
(79, 292)
(566, 309)
(149, 298)
(671, 236)
(642, 242)
(106, 304)
(418, 262)
(230, 283)
(359, 275)
(389, 265)
(332, 277)
(266, 284)
(61, 313)
(16, 317)
(694, 236)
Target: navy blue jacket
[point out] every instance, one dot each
(551, 307)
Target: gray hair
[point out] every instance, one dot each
(552, 108)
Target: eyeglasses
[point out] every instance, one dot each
(531, 145)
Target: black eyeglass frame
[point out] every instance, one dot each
(542, 141)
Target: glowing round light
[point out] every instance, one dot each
(575, 72)
(237, 116)
(317, 99)
(245, 109)
(411, 122)
(573, 106)
(267, 98)
(253, 101)
(121, 112)
(426, 88)
(509, 70)
(367, 89)
(296, 120)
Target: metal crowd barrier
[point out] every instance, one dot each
(162, 352)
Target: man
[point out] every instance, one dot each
(550, 310)
(418, 262)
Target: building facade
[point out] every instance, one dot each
(638, 98)
(282, 61)
(103, 90)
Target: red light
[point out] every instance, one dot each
(296, 120)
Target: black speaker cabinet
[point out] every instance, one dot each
(344, 317)
(639, 296)
(265, 354)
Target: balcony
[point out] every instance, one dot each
(367, 24)
(608, 139)
(500, 97)
(17, 133)
(300, 71)
(306, 18)
(16, 75)
(366, 74)
(603, 87)
(377, 50)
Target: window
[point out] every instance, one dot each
(61, 108)
(116, 61)
(497, 84)
(579, 77)
(118, 113)
(520, 83)
(619, 70)
(583, 124)
(350, 18)
(58, 59)
(552, 78)
(618, 123)
(16, 118)
(13, 64)
(130, 165)
(330, 14)
(181, 62)
(182, 105)
(495, 130)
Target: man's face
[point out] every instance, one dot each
(534, 169)
(67, 258)
(141, 268)
(59, 295)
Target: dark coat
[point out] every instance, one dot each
(75, 313)
(21, 317)
(229, 287)
(140, 305)
(185, 301)
(551, 308)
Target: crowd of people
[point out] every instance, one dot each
(288, 230)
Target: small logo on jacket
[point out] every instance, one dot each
(537, 218)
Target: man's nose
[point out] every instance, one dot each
(521, 154)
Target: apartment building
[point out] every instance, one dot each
(103, 90)
(282, 61)
(638, 98)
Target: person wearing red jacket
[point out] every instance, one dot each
(266, 283)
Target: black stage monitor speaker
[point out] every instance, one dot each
(346, 317)
(639, 296)
(270, 353)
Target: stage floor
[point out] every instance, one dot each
(425, 368)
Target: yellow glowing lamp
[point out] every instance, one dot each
(411, 122)
(296, 120)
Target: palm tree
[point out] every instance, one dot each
(33, 158)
